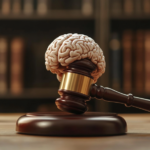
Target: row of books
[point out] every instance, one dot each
(130, 61)
(130, 7)
(44, 6)
(22, 64)
(16, 67)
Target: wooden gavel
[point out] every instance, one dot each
(77, 87)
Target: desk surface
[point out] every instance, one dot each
(137, 137)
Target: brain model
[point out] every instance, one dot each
(68, 48)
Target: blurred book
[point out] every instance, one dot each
(138, 69)
(3, 64)
(87, 7)
(16, 65)
(147, 61)
(115, 61)
(5, 6)
(42, 6)
(128, 7)
(28, 7)
(138, 6)
(127, 45)
(16, 6)
(146, 6)
(116, 7)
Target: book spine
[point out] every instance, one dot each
(87, 7)
(42, 7)
(128, 7)
(127, 46)
(3, 65)
(139, 61)
(147, 61)
(16, 66)
(138, 7)
(16, 6)
(116, 7)
(5, 7)
(28, 7)
(115, 61)
(146, 6)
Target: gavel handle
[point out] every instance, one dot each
(111, 95)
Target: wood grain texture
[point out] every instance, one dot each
(137, 138)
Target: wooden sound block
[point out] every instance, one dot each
(66, 124)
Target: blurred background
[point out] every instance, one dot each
(27, 27)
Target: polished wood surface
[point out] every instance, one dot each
(67, 124)
(137, 137)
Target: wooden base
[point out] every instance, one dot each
(65, 124)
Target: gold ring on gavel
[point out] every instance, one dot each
(76, 83)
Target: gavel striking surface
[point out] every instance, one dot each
(66, 124)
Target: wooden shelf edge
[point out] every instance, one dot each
(33, 93)
(51, 15)
(129, 17)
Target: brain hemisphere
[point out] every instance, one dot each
(71, 47)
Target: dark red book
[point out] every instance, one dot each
(3, 64)
(147, 61)
(139, 61)
(16, 65)
(127, 45)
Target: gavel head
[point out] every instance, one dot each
(75, 86)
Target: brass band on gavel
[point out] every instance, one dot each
(76, 82)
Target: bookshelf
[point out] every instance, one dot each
(137, 21)
(38, 31)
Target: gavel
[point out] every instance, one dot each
(76, 88)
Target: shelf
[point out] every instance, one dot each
(129, 17)
(53, 14)
(33, 93)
